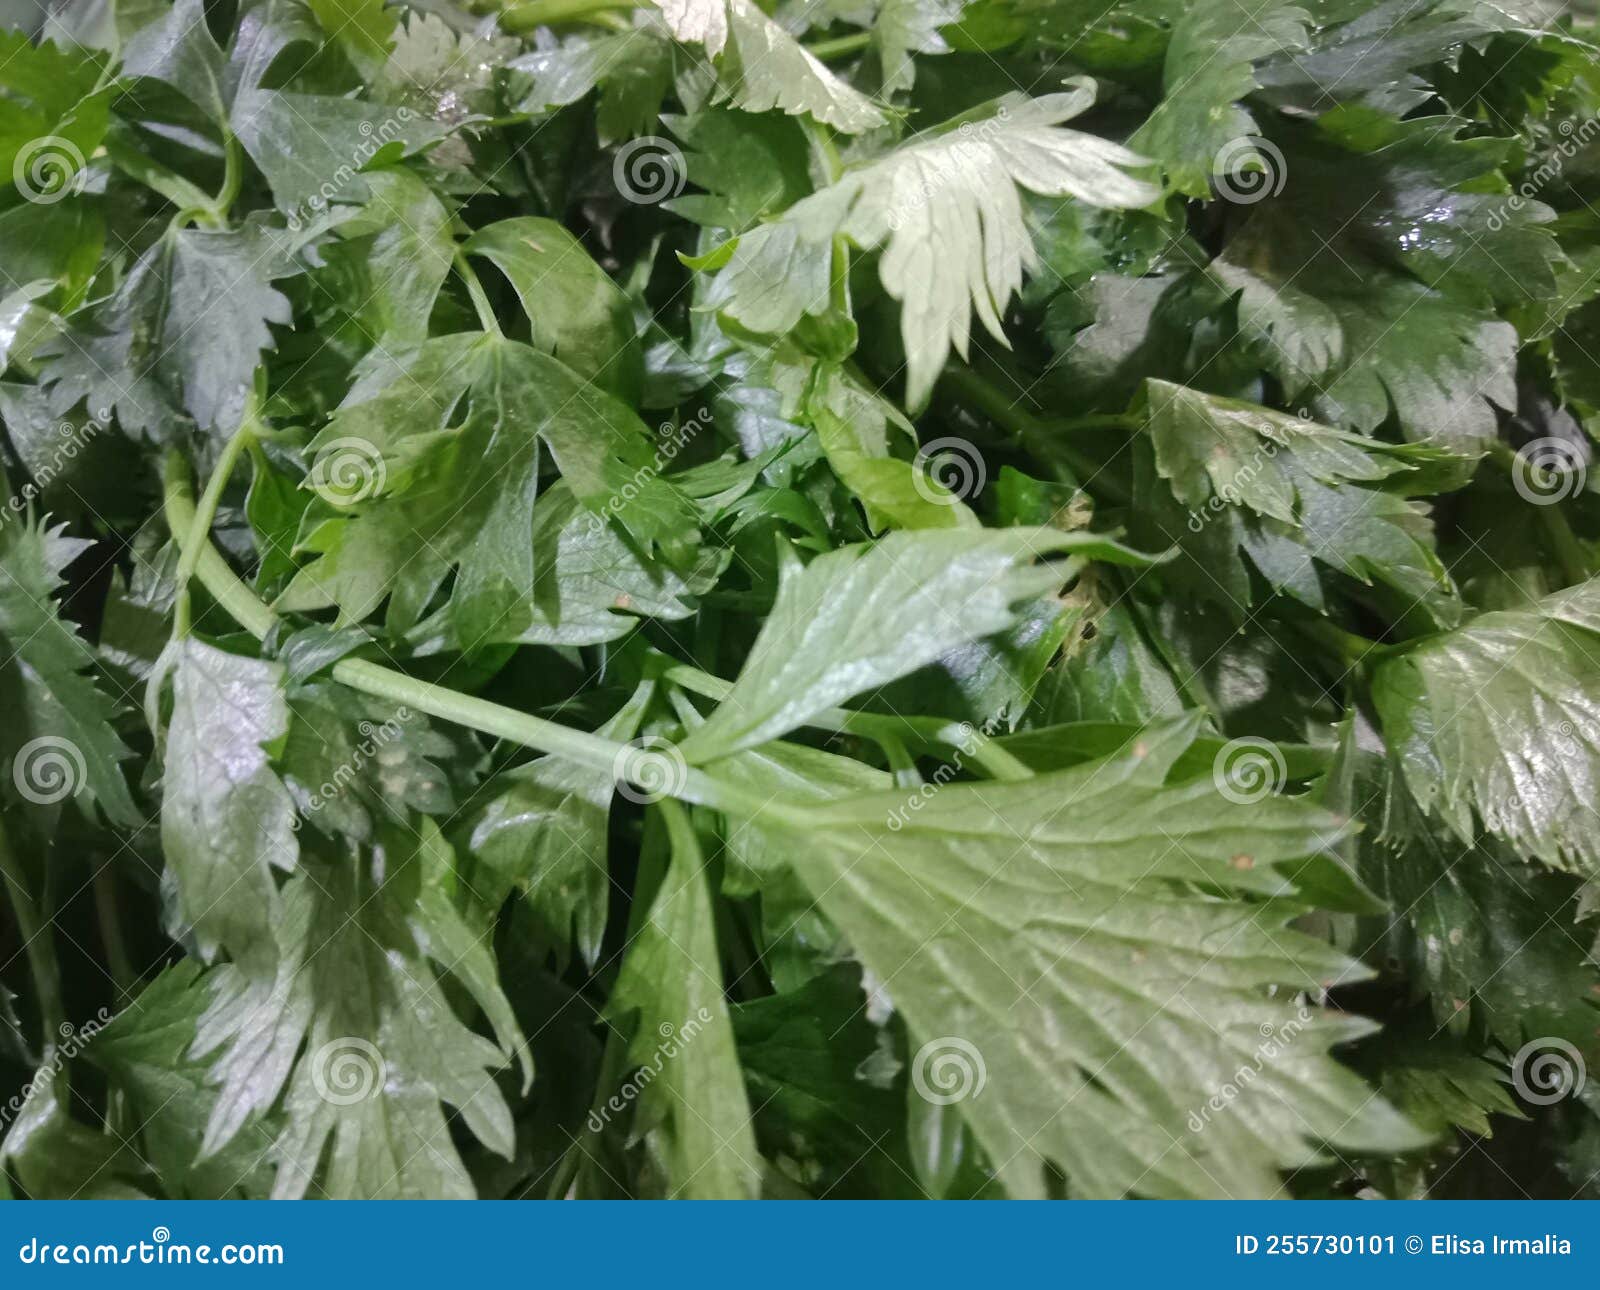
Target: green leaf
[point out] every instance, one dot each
(1366, 51)
(442, 442)
(1370, 286)
(382, 1047)
(1441, 1086)
(1115, 676)
(591, 585)
(1286, 492)
(363, 28)
(349, 761)
(694, 1106)
(544, 829)
(761, 67)
(55, 1157)
(807, 1056)
(442, 72)
(1490, 940)
(1209, 68)
(145, 1049)
(851, 425)
(227, 821)
(182, 334)
(903, 28)
(312, 148)
(857, 618)
(181, 51)
(58, 740)
(632, 69)
(398, 250)
(751, 166)
(60, 242)
(1496, 724)
(51, 117)
(945, 208)
(574, 310)
(1101, 1026)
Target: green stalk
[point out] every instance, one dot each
(550, 13)
(40, 946)
(235, 599)
(232, 180)
(1349, 648)
(116, 945)
(197, 537)
(901, 762)
(840, 46)
(1044, 438)
(1564, 545)
(822, 144)
(480, 300)
(882, 730)
(1562, 541)
(448, 705)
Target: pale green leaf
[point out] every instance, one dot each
(1083, 976)
(694, 1104)
(1498, 724)
(946, 210)
(859, 617)
(227, 821)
